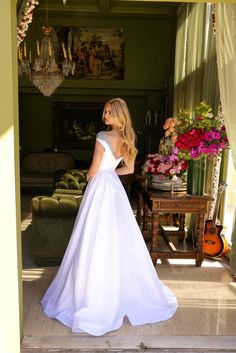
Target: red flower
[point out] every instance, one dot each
(189, 139)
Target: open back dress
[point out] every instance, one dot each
(106, 273)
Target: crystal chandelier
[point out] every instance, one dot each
(45, 73)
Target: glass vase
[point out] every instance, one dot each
(196, 176)
(167, 183)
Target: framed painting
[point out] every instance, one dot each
(75, 125)
(97, 53)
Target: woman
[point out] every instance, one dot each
(107, 273)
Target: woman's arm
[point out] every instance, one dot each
(96, 161)
(126, 169)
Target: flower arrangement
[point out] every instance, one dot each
(196, 136)
(165, 165)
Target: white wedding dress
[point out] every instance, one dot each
(107, 273)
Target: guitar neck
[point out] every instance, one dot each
(217, 205)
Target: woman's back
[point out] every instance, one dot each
(111, 157)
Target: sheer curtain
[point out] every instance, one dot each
(226, 58)
(196, 76)
(180, 56)
(225, 21)
(195, 58)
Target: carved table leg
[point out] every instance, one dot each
(200, 236)
(154, 237)
(145, 216)
(139, 203)
(181, 231)
(169, 219)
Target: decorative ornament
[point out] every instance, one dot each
(24, 20)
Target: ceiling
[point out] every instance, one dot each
(109, 8)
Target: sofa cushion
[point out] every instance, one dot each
(54, 206)
(73, 179)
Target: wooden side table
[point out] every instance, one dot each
(166, 202)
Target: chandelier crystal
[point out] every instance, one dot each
(45, 72)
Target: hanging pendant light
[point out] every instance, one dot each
(44, 71)
(46, 75)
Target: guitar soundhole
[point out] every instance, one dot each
(212, 230)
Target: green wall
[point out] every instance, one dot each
(149, 57)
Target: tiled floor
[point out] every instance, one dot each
(205, 320)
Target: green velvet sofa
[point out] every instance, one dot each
(53, 219)
(53, 216)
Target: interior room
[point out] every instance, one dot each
(143, 52)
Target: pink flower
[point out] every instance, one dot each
(162, 177)
(222, 145)
(174, 158)
(166, 165)
(208, 135)
(175, 150)
(194, 153)
(216, 135)
(211, 149)
(212, 135)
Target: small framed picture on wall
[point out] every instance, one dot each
(75, 124)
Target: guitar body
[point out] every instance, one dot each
(214, 243)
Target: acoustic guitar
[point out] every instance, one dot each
(215, 244)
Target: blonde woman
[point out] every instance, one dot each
(107, 273)
(120, 137)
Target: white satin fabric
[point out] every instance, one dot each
(107, 273)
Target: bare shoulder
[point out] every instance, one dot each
(114, 135)
(104, 134)
(108, 133)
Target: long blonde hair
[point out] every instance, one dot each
(120, 111)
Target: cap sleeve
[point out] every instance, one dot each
(101, 137)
